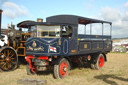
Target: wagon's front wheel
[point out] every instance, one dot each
(31, 71)
(61, 70)
(8, 59)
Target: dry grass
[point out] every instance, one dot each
(115, 72)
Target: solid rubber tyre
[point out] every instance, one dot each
(100, 62)
(61, 70)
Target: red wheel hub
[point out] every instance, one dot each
(63, 69)
(101, 61)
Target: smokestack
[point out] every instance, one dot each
(39, 20)
(0, 20)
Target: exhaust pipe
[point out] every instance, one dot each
(0, 21)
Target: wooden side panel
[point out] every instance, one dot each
(84, 46)
(97, 45)
(93, 46)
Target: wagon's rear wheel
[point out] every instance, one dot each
(8, 59)
(100, 60)
(61, 70)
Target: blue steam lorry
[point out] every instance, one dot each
(64, 40)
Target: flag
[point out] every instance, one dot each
(53, 49)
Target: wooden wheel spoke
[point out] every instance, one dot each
(9, 65)
(5, 53)
(11, 56)
(12, 62)
(6, 66)
(0, 55)
(2, 60)
(3, 65)
(9, 53)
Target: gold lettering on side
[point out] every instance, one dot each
(85, 45)
(73, 51)
(35, 49)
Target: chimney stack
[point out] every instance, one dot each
(0, 20)
(39, 20)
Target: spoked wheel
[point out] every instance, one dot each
(61, 70)
(8, 59)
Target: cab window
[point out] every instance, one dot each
(48, 31)
(67, 31)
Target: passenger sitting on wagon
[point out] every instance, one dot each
(67, 31)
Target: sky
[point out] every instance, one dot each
(115, 11)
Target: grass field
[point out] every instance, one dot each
(114, 72)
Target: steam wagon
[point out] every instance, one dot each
(60, 42)
(12, 45)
